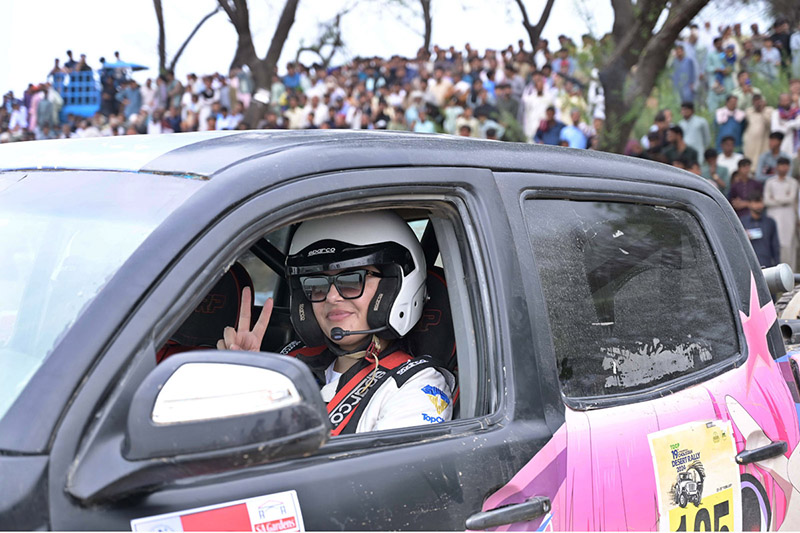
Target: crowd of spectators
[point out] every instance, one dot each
(550, 95)
(731, 130)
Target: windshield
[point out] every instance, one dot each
(63, 235)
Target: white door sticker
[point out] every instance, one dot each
(697, 478)
(272, 512)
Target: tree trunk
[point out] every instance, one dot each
(787, 9)
(426, 16)
(245, 52)
(534, 32)
(162, 46)
(262, 69)
(285, 24)
(639, 55)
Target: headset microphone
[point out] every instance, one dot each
(338, 334)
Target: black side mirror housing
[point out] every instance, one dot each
(201, 412)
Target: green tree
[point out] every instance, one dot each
(633, 57)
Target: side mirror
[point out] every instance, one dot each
(203, 412)
(779, 278)
(211, 401)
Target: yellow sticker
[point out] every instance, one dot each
(697, 478)
(715, 513)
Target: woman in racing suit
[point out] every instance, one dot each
(357, 288)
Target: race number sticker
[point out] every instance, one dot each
(697, 478)
(273, 512)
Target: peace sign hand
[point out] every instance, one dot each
(243, 338)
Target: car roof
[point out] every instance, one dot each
(201, 155)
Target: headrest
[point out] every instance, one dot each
(219, 309)
(433, 335)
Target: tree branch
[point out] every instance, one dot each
(634, 33)
(426, 17)
(189, 38)
(623, 18)
(525, 20)
(240, 18)
(229, 10)
(657, 50)
(535, 31)
(543, 19)
(162, 47)
(281, 33)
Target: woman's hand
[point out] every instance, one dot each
(243, 338)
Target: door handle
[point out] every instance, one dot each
(773, 449)
(517, 512)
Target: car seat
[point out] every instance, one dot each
(433, 335)
(219, 309)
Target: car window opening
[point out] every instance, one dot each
(429, 343)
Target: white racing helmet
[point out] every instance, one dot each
(379, 238)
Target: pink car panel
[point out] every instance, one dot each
(598, 469)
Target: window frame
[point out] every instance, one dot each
(472, 296)
(444, 215)
(702, 240)
(102, 405)
(202, 268)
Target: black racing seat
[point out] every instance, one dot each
(433, 335)
(219, 309)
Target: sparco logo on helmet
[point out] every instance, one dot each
(321, 251)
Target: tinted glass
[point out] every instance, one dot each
(634, 296)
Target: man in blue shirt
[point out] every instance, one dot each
(571, 135)
(130, 97)
(683, 75)
(549, 131)
(291, 80)
(762, 232)
(730, 122)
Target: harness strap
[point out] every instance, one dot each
(400, 373)
(358, 389)
(360, 382)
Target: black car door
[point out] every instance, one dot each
(427, 477)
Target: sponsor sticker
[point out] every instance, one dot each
(272, 512)
(697, 478)
(437, 397)
(409, 365)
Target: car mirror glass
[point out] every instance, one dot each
(206, 391)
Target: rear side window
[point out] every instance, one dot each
(633, 293)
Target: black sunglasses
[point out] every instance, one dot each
(350, 284)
